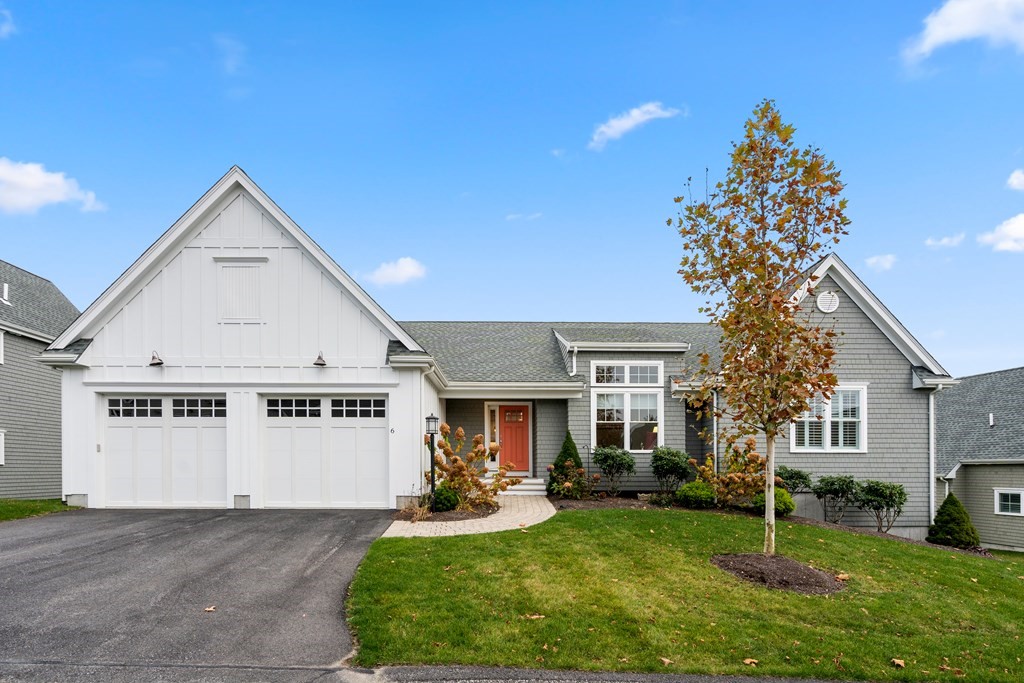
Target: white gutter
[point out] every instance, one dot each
(499, 390)
(25, 332)
(631, 346)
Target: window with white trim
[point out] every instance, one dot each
(1008, 502)
(135, 407)
(836, 424)
(198, 406)
(629, 414)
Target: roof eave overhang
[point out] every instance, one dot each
(667, 347)
(513, 390)
(60, 360)
(25, 332)
(423, 362)
(936, 383)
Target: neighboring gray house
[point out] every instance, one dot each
(628, 384)
(981, 453)
(32, 313)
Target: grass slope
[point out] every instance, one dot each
(623, 589)
(11, 508)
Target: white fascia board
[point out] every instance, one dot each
(107, 387)
(60, 360)
(934, 382)
(1005, 461)
(25, 332)
(427, 363)
(679, 347)
(153, 258)
(872, 306)
(513, 390)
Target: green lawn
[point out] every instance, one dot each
(11, 508)
(622, 589)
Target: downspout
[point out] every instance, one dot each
(575, 349)
(931, 457)
(714, 426)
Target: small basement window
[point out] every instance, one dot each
(1008, 502)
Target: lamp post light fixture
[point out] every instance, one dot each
(432, 421)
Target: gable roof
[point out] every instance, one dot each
(962, 431)
(36, 307)
(174, 238)
(872, 306)
(531, 351)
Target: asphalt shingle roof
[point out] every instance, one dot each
(962, 431)
(36, 303)
(528, 351)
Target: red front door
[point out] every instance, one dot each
(514, 432)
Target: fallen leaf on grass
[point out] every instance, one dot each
(624, 659)
(211, 608)
(898, 663)
(525, 531)
(750, 662)
(533, 616)
(665, 660)
(974, 581)
(842, 577)
(437, 644)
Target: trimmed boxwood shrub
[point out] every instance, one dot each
(671, 467)
(835, 493)
(953, 526)
(567, 462)
(784, 505)
(884, 499)
(697, 495)
(617, 465)
(794, 480)
(445, 498)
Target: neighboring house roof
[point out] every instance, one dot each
(962, 430)
(34, 306)
(178, 234)
(531, 352)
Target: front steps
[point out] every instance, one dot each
(531, 486)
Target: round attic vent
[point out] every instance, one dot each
(828, 302)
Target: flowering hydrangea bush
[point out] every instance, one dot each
(465, 474)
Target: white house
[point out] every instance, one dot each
(197, 380)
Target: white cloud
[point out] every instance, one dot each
(524, 216)
(881, 262)
(398, 272)
(232, 53)
(999, 22)
(25, 188)
(1016, 180)
(7, 27)
(951, 241)
(617, 126)
(1008, 235)
(558, 152)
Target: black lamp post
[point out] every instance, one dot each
(432, 421)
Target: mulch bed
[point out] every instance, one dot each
(406, 515)
(982, 552)
(778, 572)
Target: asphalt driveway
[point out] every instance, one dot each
(132, 587)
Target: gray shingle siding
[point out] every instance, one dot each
(30, 416)
(974, 486)
(897, 415)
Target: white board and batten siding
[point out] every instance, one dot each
(238, 308)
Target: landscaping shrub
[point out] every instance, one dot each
(567, 462)
(953, 526)
(885, 499)
(835, 493)
(617, 465)
(743, 478)
(697, 495)
(794, 480)
(572, 482)
(784, 505)
(445, 498)
(671, 467)
(464, 475)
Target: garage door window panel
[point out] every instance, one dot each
(198, 406)
(293, 407)
(135, 407)
(358, 407)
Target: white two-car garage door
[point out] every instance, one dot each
(166, 451)
(329, 451)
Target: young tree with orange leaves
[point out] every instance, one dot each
(748, 248)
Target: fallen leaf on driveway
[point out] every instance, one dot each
(750, 662)
(898, 663)
(211, 608)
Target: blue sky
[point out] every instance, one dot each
(464, 138)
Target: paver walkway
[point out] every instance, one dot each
(516, 512)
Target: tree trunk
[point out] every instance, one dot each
(769, 497)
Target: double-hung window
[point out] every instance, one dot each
(627, 404)
(836, 424)
(1008, 502)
